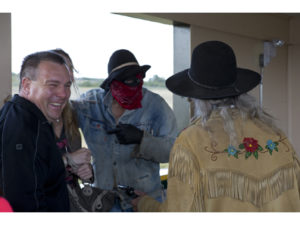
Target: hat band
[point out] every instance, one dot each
(211, 87)
(123, 65)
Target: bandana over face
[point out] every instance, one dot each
(129, 97)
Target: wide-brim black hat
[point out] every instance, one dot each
(123, 64)
(213, 74)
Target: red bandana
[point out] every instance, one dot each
(128, 97)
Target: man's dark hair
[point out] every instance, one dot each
(62, 52)
(32, 61)
(66, 56)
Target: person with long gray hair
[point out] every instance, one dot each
(232, 157)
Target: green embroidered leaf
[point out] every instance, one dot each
(260, 148)
(226, 150)
(241, 146)
(276, 149)
(236, 155)
(270, 151)
(248, 154)
(255, 154)
(276, 143)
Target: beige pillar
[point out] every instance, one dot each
(293, 84)
(5, 56)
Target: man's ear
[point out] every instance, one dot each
(25, 86)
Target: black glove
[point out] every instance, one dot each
(127, 134)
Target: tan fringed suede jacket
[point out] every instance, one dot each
(262, 173)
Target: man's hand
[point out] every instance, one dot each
(127, 134)
(84, 172)
(80, 162)
(79, 157)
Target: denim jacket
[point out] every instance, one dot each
(133, 165)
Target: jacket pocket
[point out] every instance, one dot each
(95, 131)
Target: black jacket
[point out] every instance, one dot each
(32, 173)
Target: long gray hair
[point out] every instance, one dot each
(245, 104)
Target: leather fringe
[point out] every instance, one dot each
(222, 183)
(184, 166)
(297, 170)
(227, 183)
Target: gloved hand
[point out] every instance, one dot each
(127, 134)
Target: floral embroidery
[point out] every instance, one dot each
(271, 146)
(251, 146)
(232, 151)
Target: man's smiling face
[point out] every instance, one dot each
(51, 90)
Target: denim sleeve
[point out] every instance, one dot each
(85, 104)
(156, 146)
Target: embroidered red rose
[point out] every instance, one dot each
(250, 144)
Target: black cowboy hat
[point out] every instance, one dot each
(213, 74)
(122, 64)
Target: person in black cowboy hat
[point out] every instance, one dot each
(231, 157)
(129, 129)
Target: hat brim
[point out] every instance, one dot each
(125, 73)
(182, 85)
